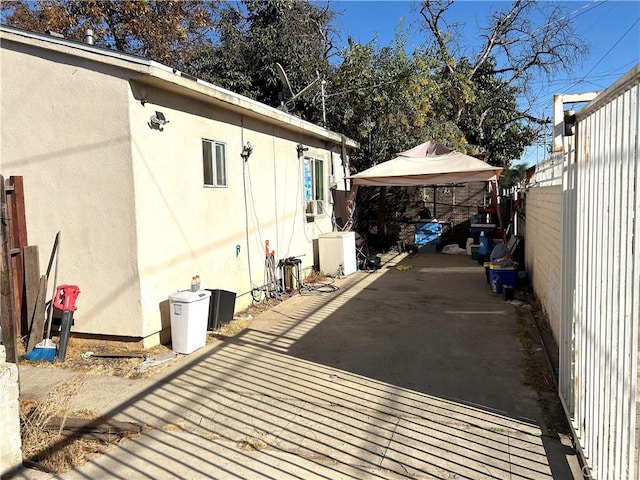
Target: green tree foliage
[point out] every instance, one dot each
(388, 101)
(227, 64)
(491, 118)
(166, 31)
(255, 35)
(385, 98)
(512, 176)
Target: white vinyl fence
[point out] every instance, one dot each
(601, 281)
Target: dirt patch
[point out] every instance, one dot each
(540, 366)
(83, 356)
(58, 451)
(91, 357)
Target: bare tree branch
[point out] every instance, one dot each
(502, 24)
(512, 38)
(432, 12)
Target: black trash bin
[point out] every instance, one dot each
(221, 308)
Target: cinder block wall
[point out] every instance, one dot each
(10, 445)
(542, 248)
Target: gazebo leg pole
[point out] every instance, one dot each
(382, 207)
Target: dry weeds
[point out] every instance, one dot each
(79, 356)
(315, 277)
(51, 450)
(232, 328)
(251, 443)
(54, 452)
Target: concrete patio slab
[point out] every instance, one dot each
(407, 373)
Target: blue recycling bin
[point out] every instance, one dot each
(485, 245)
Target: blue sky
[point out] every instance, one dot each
(612, 29)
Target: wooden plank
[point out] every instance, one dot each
(84, 425)
(31, 280)
(119, 354)
(156, 360)
(111, 437)
(36, 332)
(7, 319)
(18, 240)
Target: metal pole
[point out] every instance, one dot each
(324, 110)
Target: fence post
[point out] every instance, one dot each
(17, 242)
(9, 334)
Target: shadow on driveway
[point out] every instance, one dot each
(413, 373)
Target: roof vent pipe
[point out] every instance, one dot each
(88, 36)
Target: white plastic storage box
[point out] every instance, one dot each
(337, 253)
(189, 318)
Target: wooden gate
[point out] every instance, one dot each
(13, 240)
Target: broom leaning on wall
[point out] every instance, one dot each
(45, 351)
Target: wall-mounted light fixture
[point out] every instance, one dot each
(158, 121)
(246, 151)
(569, 123)
(301, 149)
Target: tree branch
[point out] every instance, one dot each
(502, 25)
(432, 12)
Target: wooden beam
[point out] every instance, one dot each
(18, 240)
(434, 214)
(493, 187)
(7, 318)
(31, 280)
(36, 331)
(114, 354)
(101, 429)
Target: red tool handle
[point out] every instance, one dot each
(65, 298)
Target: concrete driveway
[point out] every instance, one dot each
(405, 373)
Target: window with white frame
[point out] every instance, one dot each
(214, 162)
(314, 186)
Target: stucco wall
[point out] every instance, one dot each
(65, 130)
(137, 221)
(542, 248)
(185, 228)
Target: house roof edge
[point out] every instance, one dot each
(145, 69)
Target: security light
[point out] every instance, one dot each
(157, 121)
(246, 151)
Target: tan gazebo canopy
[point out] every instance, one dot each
(427, 164)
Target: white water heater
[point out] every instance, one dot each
(337, 253)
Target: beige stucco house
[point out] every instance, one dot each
(141, 170)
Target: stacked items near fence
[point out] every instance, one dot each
(486, 245)
(502, 271)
